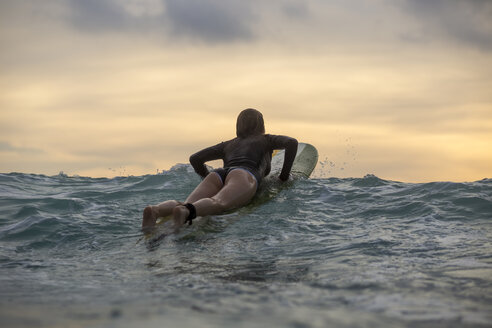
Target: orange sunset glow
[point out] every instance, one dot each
(398, 89)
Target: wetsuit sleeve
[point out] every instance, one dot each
(199, 159)
(290, 146)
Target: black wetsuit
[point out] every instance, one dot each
(253, 154)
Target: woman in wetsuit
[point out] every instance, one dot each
(247, 160)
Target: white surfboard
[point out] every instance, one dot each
(304, 163)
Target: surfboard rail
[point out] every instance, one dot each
(304, 163)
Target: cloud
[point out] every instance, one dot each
(7, 147)
(106, 83)
(211, 20)
(307, 23)
(100, 15)
(468, 22)
(142, 8)
(295, 10)
(205, 20)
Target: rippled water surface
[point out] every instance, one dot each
(317, 253)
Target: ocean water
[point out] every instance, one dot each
(359, 252)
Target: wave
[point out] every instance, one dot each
(316, 243)
(35, 207)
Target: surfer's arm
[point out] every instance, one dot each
(290, 155)
(290, 146)
(199, 159)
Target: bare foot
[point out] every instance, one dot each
(180, 213)
(149, 218)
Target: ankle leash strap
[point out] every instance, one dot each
(192, 214)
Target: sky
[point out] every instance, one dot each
(396, 88)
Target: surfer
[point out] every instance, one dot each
(247, 160)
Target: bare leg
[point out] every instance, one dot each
(207, 188)
(151, 213)
(238, 190)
